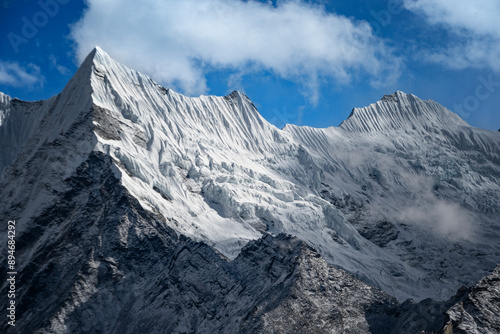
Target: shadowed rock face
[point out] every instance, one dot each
(97, 262)
(479, 311)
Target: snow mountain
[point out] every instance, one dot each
(161, 211)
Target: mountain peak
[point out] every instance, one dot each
(97, 55)
(396, 96)
(401, 111)
(96, 63)
(98, 49)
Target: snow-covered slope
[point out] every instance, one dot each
(404, 194)
(415, 179)
(96, 261)
(401, 111)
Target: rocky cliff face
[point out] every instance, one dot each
(478, 312)
(98, 262)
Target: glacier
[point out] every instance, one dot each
(404, 194)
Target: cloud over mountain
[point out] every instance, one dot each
(181, 41)
(473, 27)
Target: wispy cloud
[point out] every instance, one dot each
(474, 27)
(178, 42)
(60, 68)
(13, 74)
(445, 219)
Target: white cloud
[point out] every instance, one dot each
(474, 25)
(178, 42)
(60, 68)
(13, 74)
(445, 219)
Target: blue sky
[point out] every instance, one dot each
(301, 62)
